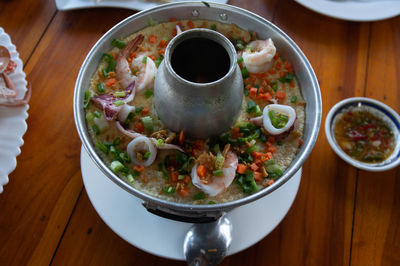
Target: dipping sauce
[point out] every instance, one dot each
(364, 136)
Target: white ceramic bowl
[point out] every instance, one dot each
(377, 108)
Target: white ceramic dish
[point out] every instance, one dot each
(354, 10)
(125, 215)
(128, 4)
(377, 108)
(12, 119)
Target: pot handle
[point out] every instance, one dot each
(182, 216)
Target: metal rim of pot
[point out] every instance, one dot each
(225, 14)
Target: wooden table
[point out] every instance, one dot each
(341, 215)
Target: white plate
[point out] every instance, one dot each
(125, 215)
(12, 119)
(355, 10)
(129, 4)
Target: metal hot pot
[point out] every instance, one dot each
(225, 14)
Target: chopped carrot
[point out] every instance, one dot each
(184, 191)
(270, 182)
(261, 75)
(180, 24)
(235, 132)
(187, 179)
(248, 86)
(201, 170)
(276, 56)
(152, 38)
(174, 176)
(253, 167)
(278, 65)
(152, 57)
(257, 176)
(258, 161)
(282, 74)
(161, 52)
(145, 111)
(139, 127)
(287, 65)
(181, 137)
(163, 43)
(241, 168)
(132, 55)
(292, 84)
(190, 24)
(272, 71)
(172, 19)
(256, 155)
(138, 168)
(253, 92)
(267, 96)
(280, 95)
(260, 96)
(271, 149)
(268, 144)
(300, 142)
(110, 82)
(253, 76)
(252, 79)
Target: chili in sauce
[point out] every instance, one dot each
(364, 136)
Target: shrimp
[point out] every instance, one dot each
(122, 69)
(218, 183)
(258, 55)
(146, 73)
(265, 119)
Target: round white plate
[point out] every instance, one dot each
(129, 4)
(355, 10)
(12, 119)
(125, 215)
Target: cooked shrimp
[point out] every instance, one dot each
(122, 69)
(145, 74)
(218, 184)
(258, 55)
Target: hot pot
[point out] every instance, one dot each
(225, 14)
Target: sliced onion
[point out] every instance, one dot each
(282, 109)
(141, 144)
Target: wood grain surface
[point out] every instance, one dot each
(341, 215)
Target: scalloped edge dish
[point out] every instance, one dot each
(12, 119)
(128, 4)
(354, 10)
